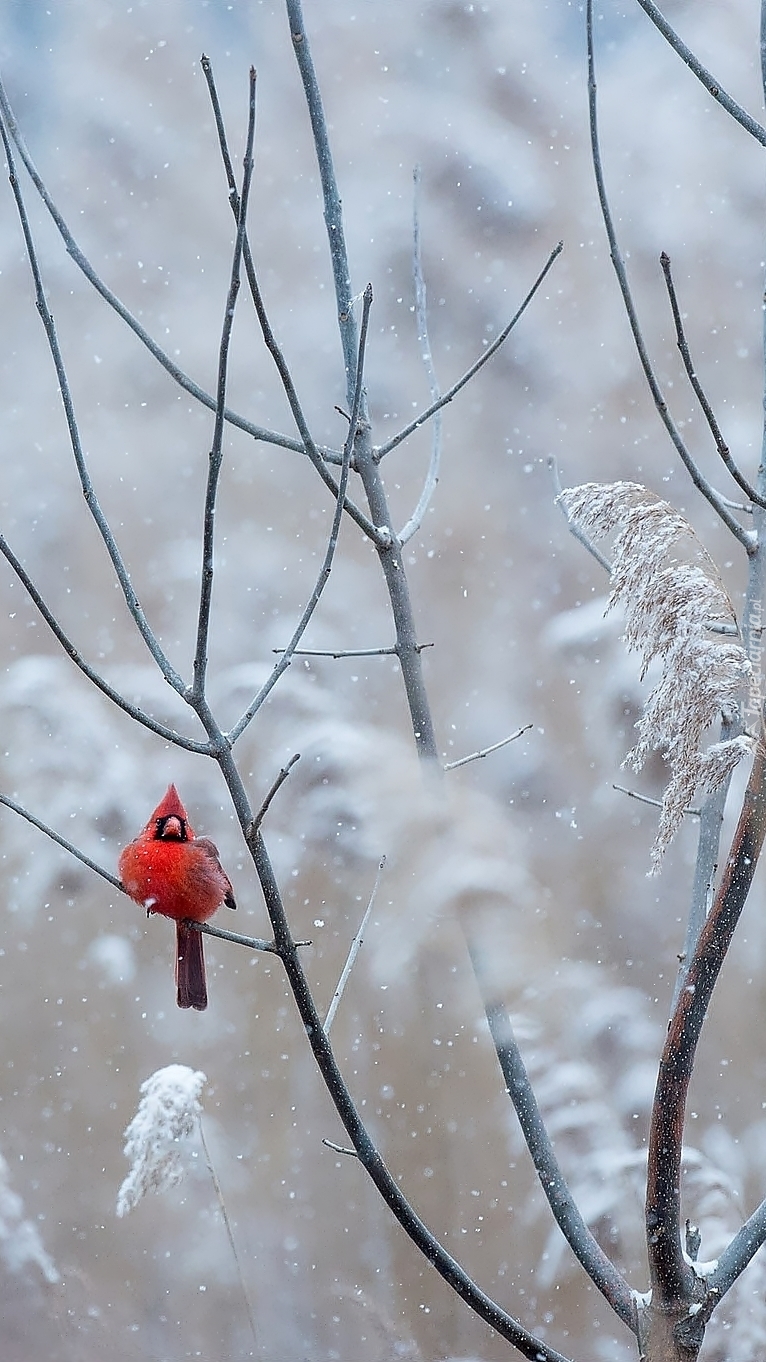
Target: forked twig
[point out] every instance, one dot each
(91, 500)
(387, 545)
(745, 537)
(83, 264)
(254, 943)
(277, 785)
(140, 716)
(715, 430)
(381, 450)
(270, 340)
(324, 573)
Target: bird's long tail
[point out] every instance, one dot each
(190, 968)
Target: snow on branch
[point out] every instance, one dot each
(167, 1117)
(672, 595)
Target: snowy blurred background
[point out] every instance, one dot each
(535, 853)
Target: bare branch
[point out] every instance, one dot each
(745, 537)
(84, 265)
(270, 340)
(599, 1268)
(61, 841)
(672, 1278)
(421, 314)
(709, 81)
(254, 943)
(321, 582)
(141, 717)
(91, 500)
(655, 803)
(216, 453)
(715, 430)
(278, 783)
(386, 544)
(345, 652)
(381, 450)
(356, 946)
(485, 751)
(367, 1153)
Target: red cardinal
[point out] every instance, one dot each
(170, 871)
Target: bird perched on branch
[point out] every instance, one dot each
(170, 871)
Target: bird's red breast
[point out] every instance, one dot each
(170, 871)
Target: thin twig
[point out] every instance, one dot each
(574, 529)
(745, 537)
(324, 573)
(356, 946)
(278, 783)
(709, 81)
(599, 1268)
(381, 450)
(91, 500)
(253, 943)
(229, 1233)
(656, 803)
(421, 315)
(340, 1148)
(270, 340)
(140, 716)
(715, 430)
(345, 652)
(216, 452)
(83, 264)
(745, 508)
(485, 751)
(61, 841)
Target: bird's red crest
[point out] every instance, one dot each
(169, 806)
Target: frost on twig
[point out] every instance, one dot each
(167, 1117)
(20, 1242)
(670, 590)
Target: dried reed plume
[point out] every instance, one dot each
(669, 588)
